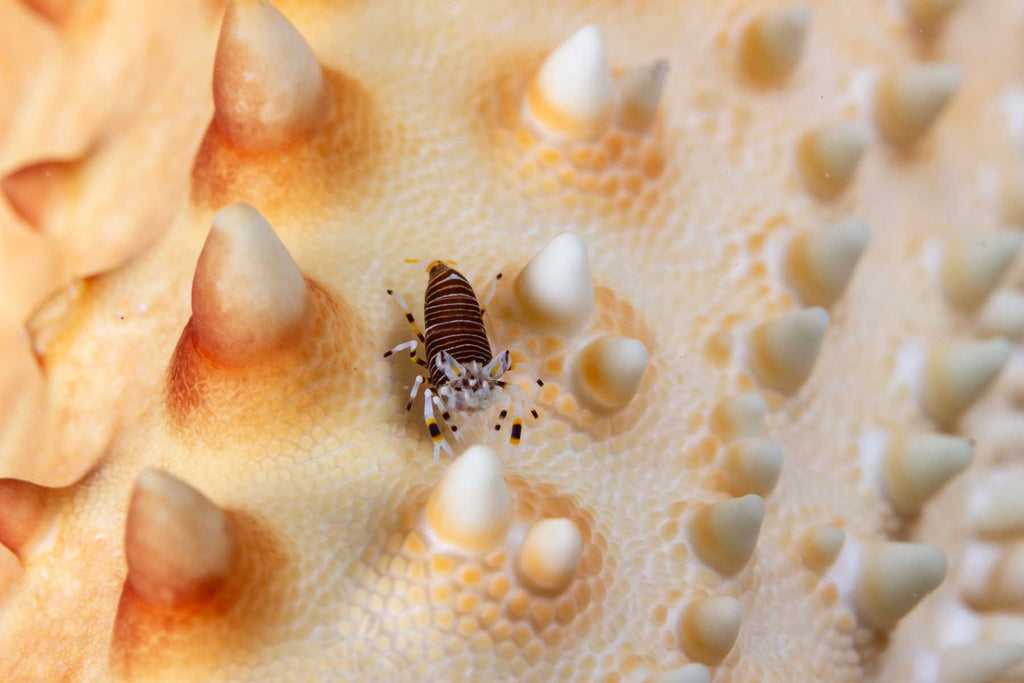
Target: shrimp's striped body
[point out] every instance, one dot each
(462, 376)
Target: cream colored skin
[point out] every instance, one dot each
(686, 258)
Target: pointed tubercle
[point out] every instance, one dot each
(752, 466)
(725, 533)
(268, 88)
(555, 290)
(783, 351)
(609, 370)
(821, 261)
(829, 157)
(471, 507)
(178, 543)
(550, 555)
(1003, 314)
(894, 577)
(918, 465)
(908, 101)
(972, 266)
(248, 296)
(957, 375)
(709, 627)
(773, 43)
(572, 97)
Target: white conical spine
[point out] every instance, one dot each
(178, 543)
(550, 555)
(894, 577)
(248, 296)
(555, 290)
(609, 370)
(773, 43)
(471, 507)
(957, 375)
(784, 350)
(972, 266)
(572, 96)
(268, 88)
(752, 466)
(821, 261)
(725, 533)
(709, 627)
(918, 465)
(1003, 314)
(829, 156)
(909, 101)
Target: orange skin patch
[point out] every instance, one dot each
(314, 371)
(229, 619)
(332, 166)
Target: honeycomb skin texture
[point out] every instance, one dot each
(322, 474)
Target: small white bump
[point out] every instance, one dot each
(820, 546)
(739, 416)
(609, 370)
(471, 506)
(572, 96)
(752, 466)
(725, 533)
(784, 350)
(972, 266)
(709, 627)
(773, 43)
(957, 375)
(550, 554)
(894, 577)
(820, 262)
(829, 156)
(555, 290)
(916, 466)
(909, 100)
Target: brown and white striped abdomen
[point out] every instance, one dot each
(453, 323)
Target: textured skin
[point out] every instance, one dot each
(322, 473)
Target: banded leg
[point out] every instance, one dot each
(446, 417)
(409, 317)
(432, 426)
(490, 294)
(415, 389)
(411, 345)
